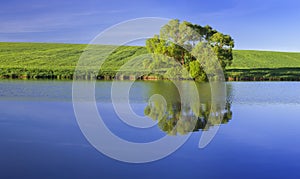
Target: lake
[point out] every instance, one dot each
(258, 136)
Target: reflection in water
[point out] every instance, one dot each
(183, 114)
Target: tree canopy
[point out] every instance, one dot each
(177, 42)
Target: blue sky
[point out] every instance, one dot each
(254, 24)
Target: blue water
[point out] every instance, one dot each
(40, 138)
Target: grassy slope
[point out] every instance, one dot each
(39, 59)
(264, 65)
(46, 60)
(42, 55)
(265, 59)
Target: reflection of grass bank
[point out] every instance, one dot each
(58, 61)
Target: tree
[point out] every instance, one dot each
(179, 39)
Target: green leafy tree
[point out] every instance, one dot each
(178, 39)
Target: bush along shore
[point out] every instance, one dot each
(260, 74)
(264, 74)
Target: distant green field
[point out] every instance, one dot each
(264, 65)
(264, 59)
(49, 60)
(58, 61)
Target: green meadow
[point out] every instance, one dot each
(58, 61)
(264, 65)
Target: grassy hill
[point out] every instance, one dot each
(264, 59)
(264, 65)
(49, 60)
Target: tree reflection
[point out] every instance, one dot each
(183, 114)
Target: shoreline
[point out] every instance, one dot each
(153, 78)
(255, 74)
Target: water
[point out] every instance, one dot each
(40, 138)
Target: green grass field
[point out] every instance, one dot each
(58, 61)
(264, 59)
(264, 65)
(55, 61)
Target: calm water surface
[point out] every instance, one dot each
(258, 138)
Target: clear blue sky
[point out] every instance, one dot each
(254, 24)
